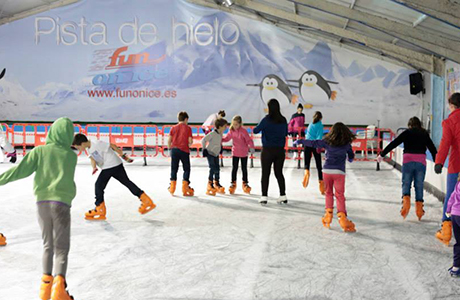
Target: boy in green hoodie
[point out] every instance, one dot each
(54, 167)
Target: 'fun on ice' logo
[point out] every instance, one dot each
(135, 67)
(118, 61)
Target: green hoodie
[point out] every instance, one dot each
(54, 165)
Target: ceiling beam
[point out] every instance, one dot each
(35, 11)
(412, 58)
(419, 20)
(313, 34)
(443, 10)
(434, 43)
(352, 5)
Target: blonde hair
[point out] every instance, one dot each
(237, 119)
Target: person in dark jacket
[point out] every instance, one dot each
(274, 130)
(416, 142)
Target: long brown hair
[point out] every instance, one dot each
(237, 119)
(317, 117)
(415, 123)
(339, 135)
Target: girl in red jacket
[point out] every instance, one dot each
(242, 143)
(450, 141)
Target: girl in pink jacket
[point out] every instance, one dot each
(297, 123)
(453, 212)
(242, 143)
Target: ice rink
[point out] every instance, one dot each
(229, 247)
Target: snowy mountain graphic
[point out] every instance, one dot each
(212, 76)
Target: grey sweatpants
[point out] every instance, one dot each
(54, 220)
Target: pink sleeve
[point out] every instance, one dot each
(227, 137)
(248, 139)
(291, 124)
(454, 197)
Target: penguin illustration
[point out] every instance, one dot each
(314, 89)
(3, 73)
(273, 87)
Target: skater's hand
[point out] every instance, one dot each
(350, 160)
(379, 159)
(127, 158)
(95, 171)
(252, 150)
(297, 143)
(438, 169)
(319, 150)
(448, 215)
(205, 152)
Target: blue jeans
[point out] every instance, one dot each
(214, 167)
(184, 157)
(413, 172)
(451, 182)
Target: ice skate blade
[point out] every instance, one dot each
(96, 219)
(263, 203)
(282, 202)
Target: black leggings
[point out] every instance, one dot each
(244, 168)
(308, 152)
(275, 156)
(119, 174)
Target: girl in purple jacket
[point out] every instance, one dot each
(338, 148)
(453, 212)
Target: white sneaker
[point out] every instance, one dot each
(282, 200)
(263, 200)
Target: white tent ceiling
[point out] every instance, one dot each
(11, 10)
(419, 33)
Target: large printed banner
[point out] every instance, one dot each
(143, 61)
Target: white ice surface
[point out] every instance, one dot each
(229, 247)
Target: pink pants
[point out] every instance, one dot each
(335, 182)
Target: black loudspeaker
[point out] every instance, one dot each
(416, 83)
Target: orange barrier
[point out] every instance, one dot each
(153, 140)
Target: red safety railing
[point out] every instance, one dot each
(151, 140)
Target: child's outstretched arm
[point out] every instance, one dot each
(395, 143)
(26, 168)
(312, 144)
(228, 137)
(351, 154)
(120, 153)
(260, 126)
(93, 164)
(432, 148)
(116, 149)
